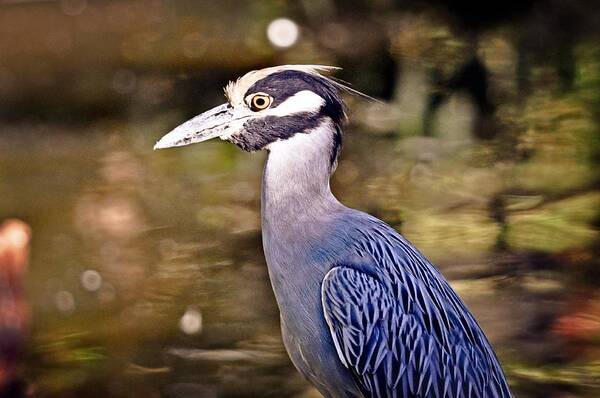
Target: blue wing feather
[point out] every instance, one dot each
(401, 330)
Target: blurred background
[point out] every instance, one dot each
(146, 275)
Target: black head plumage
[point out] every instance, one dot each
(284, 84)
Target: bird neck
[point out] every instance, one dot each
(296, 177)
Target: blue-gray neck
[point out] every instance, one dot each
(297, 203)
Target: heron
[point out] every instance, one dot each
(363, 313)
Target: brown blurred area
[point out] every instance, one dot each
(147, 276)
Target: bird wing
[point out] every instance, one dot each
(398, 342)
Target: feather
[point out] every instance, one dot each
(235, 90)
(395, 339)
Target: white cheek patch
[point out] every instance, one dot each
(301, 102)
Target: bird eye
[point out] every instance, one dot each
(260, 102)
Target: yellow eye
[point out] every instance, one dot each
(260, 102)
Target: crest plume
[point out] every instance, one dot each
(235, 90)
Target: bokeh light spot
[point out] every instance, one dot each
(91, 280)
(191, 321)
(283, 32)
(64, 301)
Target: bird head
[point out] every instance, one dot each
(267, 106)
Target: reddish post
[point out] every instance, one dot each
(14, 311)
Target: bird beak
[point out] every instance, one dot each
(217, 122)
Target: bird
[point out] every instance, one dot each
(363, 313)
